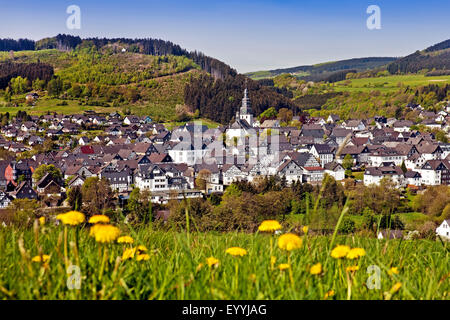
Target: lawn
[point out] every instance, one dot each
(389, 83)
(177, 268)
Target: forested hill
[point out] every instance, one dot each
(319, 71)
(435, 60)
(157, 73)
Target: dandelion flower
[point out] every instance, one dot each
(211, 261)
(199, 267)
(352, 268)
(283, 266)
(289, 242)
(43, 258)
(316, 269)
(269, 226)
(42, 221)
(104, 232)
(273, 260)
(355, 253)
(393, 270)
(142, 257)
(128, 253)
(236, 251)
(329, 294)
(72, 218)
(141, 249)
(305, 229)
(340, 251)
(125, 239)
(396, 287)
(99, 218)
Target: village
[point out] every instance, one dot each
(134, 152)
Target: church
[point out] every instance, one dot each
(244, 124)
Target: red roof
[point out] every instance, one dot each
(313, 168)
(87, 150)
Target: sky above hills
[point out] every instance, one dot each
(248, 35)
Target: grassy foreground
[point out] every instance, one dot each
(177, 268)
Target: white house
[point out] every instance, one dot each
(444, 229)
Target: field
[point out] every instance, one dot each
(389, 83)
(176, 266)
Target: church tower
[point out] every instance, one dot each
(245, 113)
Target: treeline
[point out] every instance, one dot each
(359, 64)
(330, 76)
(60, 42)
(439, 46)
(219, 99)
(418, 61)
(31, 71)
(16, 45)
(149, 46)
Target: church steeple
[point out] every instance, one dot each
(245, 112)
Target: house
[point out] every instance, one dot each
(413, 178)
(444, 229)
(402, 125)
(435, 172)
(83, 141)
(335, 170)
(24, 191)
(323, 152)
(354, 125)
(390, 234)
(5, 200)
(333, 118)
(373, 175)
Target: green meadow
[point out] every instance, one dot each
(389, 83)
(176, 266)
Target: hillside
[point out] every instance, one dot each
(436, 57)
(142, 76)
(320, 71)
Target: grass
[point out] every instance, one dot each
(177, 267)
(389, 83)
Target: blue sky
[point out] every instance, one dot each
(248, 35)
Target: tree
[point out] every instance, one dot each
(19, 85)
(347, 163)
(43, 169)
(403, 167)
(202, 179)
(139, 205)
(285, 115)
(75, 198)
(97, 195)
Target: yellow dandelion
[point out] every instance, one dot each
(104, 232)
(42, 221)
(393, 270)
(340, 251)
(72, 218)
(305, 229)
(352, 268)
(273, 260)
(316, 269)
(211, 261)
(269, 226)
(43, 258)
(236, 251)
(141, 249)
(142, 257)
(283, 266)
(355, 253)
(289, 242)
(125, 239)
(329, 294)
(99, 218)
(199, 267)
(396, 287)
(128, 253)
